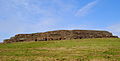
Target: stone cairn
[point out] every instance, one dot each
(60, 35)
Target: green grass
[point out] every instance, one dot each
(64, 50)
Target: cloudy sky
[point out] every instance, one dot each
(31, 16)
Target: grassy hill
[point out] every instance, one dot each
(64, 50)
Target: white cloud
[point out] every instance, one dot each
(85, 9)
(115, 29)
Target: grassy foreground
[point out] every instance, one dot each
(64, 50)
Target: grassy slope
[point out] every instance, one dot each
(64, 50)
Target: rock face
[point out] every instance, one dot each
(60, 35)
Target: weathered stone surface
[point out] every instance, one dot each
(60, 35)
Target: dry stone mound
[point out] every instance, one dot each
(60, 35)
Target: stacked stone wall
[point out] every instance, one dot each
(60, 35)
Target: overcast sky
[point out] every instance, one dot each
(31, 16)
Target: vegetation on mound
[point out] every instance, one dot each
(63, 50)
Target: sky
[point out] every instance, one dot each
(31, 16)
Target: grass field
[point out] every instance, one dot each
(64, 50)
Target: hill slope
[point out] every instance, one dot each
(64, 50)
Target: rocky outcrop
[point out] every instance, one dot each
(60, 35)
